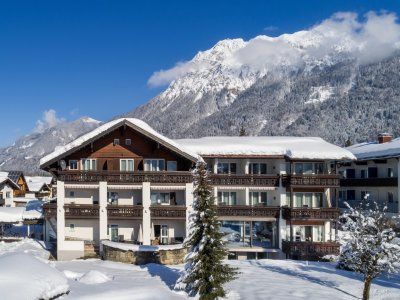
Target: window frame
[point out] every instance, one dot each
(146, 165)
(76, 162)
(126, 164)
(128, 142)
(92, 160)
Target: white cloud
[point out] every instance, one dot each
(368, 39)
(49, 119)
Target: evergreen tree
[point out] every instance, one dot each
(368, 243)
(205, 272)
(242, 131)
(347, 143)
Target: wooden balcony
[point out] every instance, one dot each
(320, 181)
(124, 211)
(124, 177)
(245, 180)
(248, 211)
(310, 250)
(170, 212)
(81, 211)
(392, 181)
(50, 210)
(304, 213)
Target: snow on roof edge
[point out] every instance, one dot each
(132, 122)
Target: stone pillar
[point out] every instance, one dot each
(189, 205)
(103, 219)
(60, 215)
(146, 222)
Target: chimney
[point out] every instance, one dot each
(384, 138)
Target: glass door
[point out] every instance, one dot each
(114, 233)
(164, 234)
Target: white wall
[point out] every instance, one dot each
(81, 196)
(87, 230)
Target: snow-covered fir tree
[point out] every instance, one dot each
(369, 245)
(205, 273)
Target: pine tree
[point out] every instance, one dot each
(347, 143)
(242, 131)
(368, 243)
(205, 272)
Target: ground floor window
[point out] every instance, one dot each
(161, 234)
(250, 233)
(306, 233)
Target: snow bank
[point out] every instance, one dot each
(292, 147)
(23, 276)
(132, 247)
(29, 246)
(94, 277)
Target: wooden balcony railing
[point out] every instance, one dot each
(50, 210)
(80, 211)
(392, 181)
(322, 180)
(248, 211)
(125, 177)
(245, 180)
(310, 250)
(125, 211)
(176, 212)
(303, 213)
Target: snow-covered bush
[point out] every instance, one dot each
(205, 272)
(369, 246)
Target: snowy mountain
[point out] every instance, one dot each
(326, 81)
(25, 153)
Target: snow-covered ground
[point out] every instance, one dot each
(259, 279)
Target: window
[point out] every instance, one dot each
(258, 198)
(171, 166)
(226, 198)
(366, 195)
(390, 173)
(307, 233)
(363, 173)
(126, 165)
(307, 200)
(257, 168)
(165, 198)
(112, 198)
(351, 195)
(71, 227)
(8, 195)
(390, 197)
(116, 142)
(88, 164)
(350, 173)
(319, 168)
(128, 142)
(164, 234)
(304, 168)
(318, 200)
(71, 194)
(226, 168)
(73, 164)
(373, 172)
(154, 165)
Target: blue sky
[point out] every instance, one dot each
(94, 58)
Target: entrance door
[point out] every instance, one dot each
(114, 233)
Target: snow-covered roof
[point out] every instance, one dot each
(373, 150)
(32, 211)
(4, 178)
(36, 183)
(136, 124)
(291, 147)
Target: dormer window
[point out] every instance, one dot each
(116, 142)
(128, 142)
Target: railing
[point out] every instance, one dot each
(125, 177)
(18, 193)
(248, 211)
(124, 211)
(168, 212)
(50, 210)
(245, 180)
(81, 211)
(392, 181)
(323, 213)
(323, 180)
(310, 250)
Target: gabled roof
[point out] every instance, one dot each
(36, 183)
(287, 146)
(374, 150)
(5, 179)
(133, 123)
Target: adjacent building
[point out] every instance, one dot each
(276, 196)
(374, 176)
